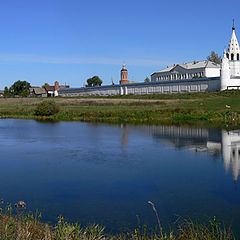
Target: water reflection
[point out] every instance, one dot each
(214, 142)
(107, 173)
(231, 151)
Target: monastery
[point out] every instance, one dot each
(229, 70)
(197, 76)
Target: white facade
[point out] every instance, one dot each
(173, 86)
(190, 70)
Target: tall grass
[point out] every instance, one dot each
(27, 226)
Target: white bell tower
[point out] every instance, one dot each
(233, 54)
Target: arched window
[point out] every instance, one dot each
(232, 56)
(228, 55)
(238, 56)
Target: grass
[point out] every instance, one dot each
(27, 226)
(219, 109)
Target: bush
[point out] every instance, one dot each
(46, 108)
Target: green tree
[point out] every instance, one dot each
(147, 79)
(45, 85)
(94, 81)
(213, 57)
(20, 88)
(6, 92)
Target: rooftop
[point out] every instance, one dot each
(192, 65)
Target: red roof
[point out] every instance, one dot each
(50, 88)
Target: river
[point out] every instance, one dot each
(106, 174)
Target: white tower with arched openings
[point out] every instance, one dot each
(233, 54)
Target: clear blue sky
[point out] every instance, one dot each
(72, 40)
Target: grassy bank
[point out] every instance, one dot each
(26, 226)
(220, 109)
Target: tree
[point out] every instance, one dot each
(20, 88)
(147, 79)
(45, 85)
(94, 81)
(6, 92)
(46, 108)
(214, 58)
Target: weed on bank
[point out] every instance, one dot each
(17, 224)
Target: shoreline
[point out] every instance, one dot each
(217, 109)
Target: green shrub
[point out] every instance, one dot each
(46, 108)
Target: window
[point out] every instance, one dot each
(232, 56)
(228, 55)
(238, 56)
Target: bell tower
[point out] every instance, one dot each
(233, 54)
(124, 75)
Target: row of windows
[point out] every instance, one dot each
(232, 56)
(180, 76)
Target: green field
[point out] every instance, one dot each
(216, 109)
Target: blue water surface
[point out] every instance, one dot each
(106, 174)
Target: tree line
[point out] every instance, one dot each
(21, 88)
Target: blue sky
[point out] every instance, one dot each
(72, 40)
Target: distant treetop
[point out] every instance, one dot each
(94, 81)
(213, 57)
(19, 88)
(147, 79)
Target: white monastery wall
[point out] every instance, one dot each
(212, 72)
(177, 86)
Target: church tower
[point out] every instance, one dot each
(225, 72)
(124, 75)
(233, 54)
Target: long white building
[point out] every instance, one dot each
(187, 71)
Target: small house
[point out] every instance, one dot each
(37, 92)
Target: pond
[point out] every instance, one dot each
(106, 174)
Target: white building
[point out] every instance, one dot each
(230, 67)
(202, 69)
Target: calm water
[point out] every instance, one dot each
(107, 173)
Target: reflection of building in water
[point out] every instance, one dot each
(231, 151)
(200, 139)
(184, 137)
